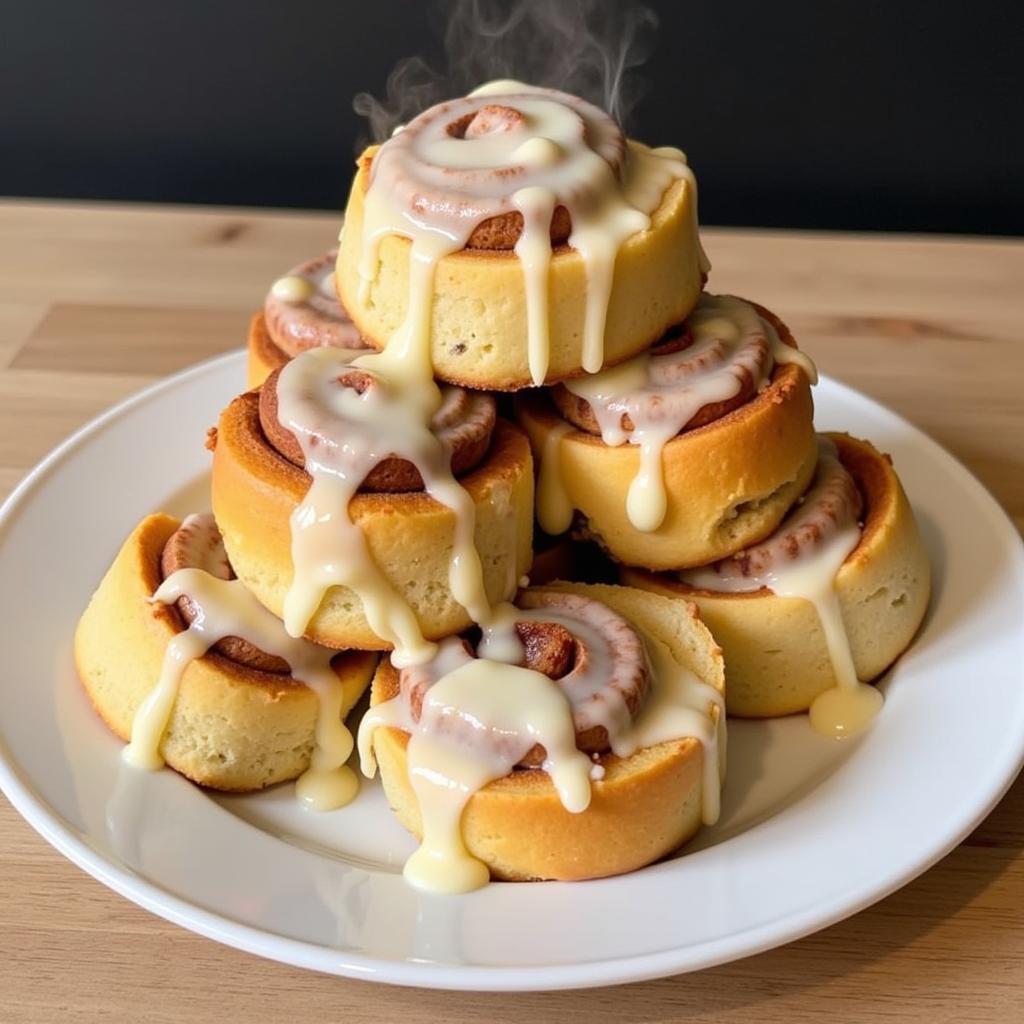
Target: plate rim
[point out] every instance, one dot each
(149, 895)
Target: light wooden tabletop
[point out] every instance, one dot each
(97, 301)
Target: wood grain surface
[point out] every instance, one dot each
(97, 301)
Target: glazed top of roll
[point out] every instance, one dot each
(594, 656)
(459, 164)
(712, 363)
(302, 310)
(197, 544)
(817, 535)
(464, 423)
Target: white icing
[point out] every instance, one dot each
(506, 710)
(293, 289)
(680, 705)
(225, 608)
(660, 394)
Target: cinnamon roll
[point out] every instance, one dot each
(301, 311)
(833, 596)
(520, 238)
(369, 514)
(581, 737)
(183, 664)
(685, 454)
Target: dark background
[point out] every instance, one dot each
(899, 115)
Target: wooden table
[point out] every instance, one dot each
(97, 301)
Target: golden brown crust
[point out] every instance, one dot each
(233, 727)
(776, 657)
(263, 356)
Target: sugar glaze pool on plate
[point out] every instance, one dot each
(811, 831)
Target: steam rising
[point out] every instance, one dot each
(586, 47)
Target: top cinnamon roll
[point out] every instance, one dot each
(546, 244)
(178, 657)
(469, 192)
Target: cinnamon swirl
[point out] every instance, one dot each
(686, 453)
(250, 710)
(549, 245)
(833, 596)
(301, 311)
(583, 737)
(361, 517)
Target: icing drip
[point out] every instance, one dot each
(648, 400)
(479, 718)
(681, 705)
(534, 152)
(554, 508)
(224, 608)
(801, 560)
(302, 309)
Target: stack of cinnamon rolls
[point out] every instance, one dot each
(374, 495)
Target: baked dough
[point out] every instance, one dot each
(233, 727)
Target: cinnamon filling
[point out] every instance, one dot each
(197, 544)
(302, 310)
(593, 655)
(678, 365)
(464, 422)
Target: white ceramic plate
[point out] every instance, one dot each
(812, 830)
